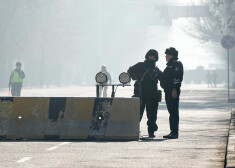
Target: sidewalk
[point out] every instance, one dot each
(231, 142)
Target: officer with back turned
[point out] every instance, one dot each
(147, 75)
(171, 82)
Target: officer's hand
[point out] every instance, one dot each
(158, 72)
(174, 93)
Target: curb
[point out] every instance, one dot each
(230, 153)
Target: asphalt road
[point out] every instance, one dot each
(204, 124)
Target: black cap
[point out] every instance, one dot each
(152, 52)
(172, 51)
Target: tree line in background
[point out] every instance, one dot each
(65, 42)
(220, 22)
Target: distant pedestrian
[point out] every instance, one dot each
(16, 80)
(105, 88)
(214, 77)
(209, 79)
(171, 82)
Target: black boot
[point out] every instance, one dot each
(151, 134)
(171, 136)
(151, 131)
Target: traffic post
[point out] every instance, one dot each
(228, 42)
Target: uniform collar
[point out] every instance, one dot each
(170, 62)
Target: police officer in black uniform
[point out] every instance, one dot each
(171, 82)
(147, 75)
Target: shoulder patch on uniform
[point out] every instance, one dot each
(176, 68)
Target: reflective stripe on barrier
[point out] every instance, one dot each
(69, 118)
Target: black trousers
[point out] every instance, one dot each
(173, 109)
(151, 110)
(16, 89)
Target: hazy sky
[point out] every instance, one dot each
(66, 42)
(192, 52)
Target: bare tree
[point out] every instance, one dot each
(220, 22)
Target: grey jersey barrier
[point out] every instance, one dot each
(69, 118)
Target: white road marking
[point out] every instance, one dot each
(57, 146)
(190, 91)
(23, 159)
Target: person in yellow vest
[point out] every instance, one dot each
(16, 80)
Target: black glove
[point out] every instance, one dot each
(158, 73)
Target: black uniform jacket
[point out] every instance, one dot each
(148, 83)
(172, 75)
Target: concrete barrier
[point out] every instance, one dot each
(69, 118)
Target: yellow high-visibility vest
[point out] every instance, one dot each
(15, 78)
